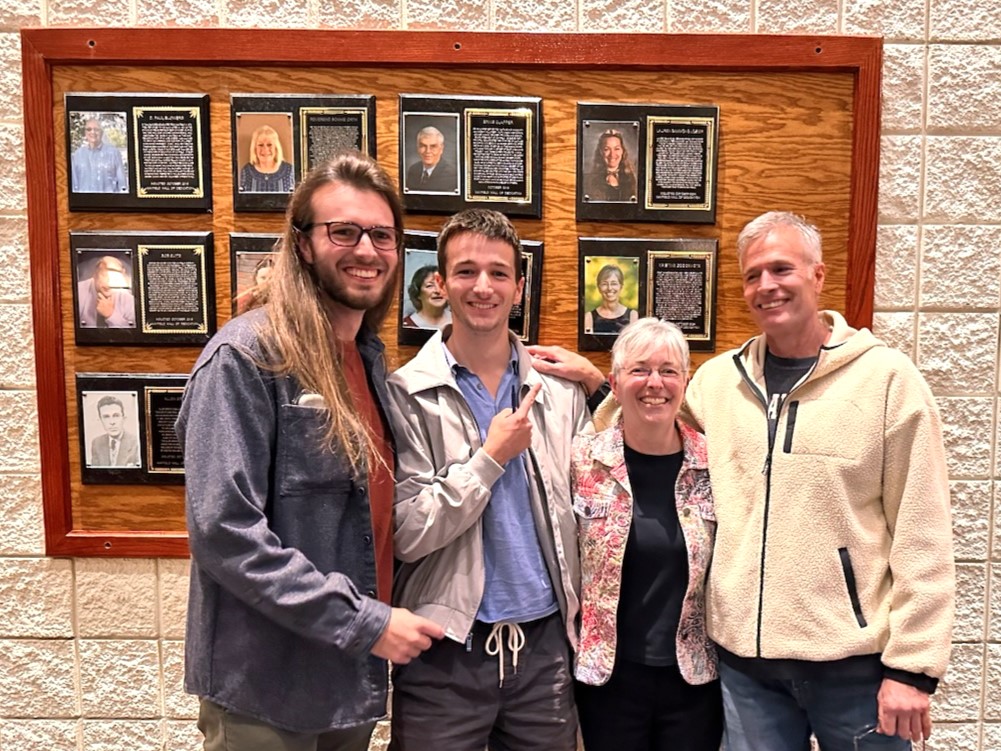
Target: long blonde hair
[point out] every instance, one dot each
(297, 338)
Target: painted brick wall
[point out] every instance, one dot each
(91, 651)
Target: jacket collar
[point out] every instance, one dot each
(608, 448)
(430, 368)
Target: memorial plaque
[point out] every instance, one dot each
(164, 455)
(278, 138)
(142, 287)
(622, 279)
(173, 291)
(251, 258)
(459, 152)
(169, 152)
(138, 152)
(647, 162)
(499, 158)
(679, 163)
(126, 428)
(328, 130)
(681, 287)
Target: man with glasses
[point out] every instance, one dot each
(96, 165)
(483, 517)
(289, 478)
(831, 591)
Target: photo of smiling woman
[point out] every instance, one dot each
(429, 301)
(611, 175)
(267, 170)
(645, 669)
(610, 316)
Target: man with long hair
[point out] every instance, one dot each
(483, 518)
(289, 468)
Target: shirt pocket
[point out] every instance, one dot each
(305, 464)
(591, 512)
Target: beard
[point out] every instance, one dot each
(338, 289)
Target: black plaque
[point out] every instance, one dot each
(169, 152)
(251, 257)
(471, 151)
(164, 455)
(681, 285)
(499, 158)
(138, 152)
(174, 291)
(647, 162)
(126, 428)
(136, 315)
(524, 318)
(298, 131)
(420, 264)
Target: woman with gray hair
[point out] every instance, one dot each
(645, 670)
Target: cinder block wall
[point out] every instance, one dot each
(90, 650)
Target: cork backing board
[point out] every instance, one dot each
(799, 124)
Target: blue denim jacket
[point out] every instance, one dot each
(282, 611)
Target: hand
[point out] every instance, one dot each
(406, 636)
(903, 710)
(557, 361)
(510, 432)
(105, 304)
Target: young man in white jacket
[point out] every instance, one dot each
(483, 516)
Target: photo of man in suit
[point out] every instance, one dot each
(434, 172)
(116, 447)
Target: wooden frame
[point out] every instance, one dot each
(44, 49)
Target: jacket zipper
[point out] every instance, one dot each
(766, 470)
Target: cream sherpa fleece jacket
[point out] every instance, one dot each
(837, 540)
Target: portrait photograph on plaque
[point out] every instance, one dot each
(681, 280)
(138, 152)
(278, 138)
(423, 307)
(164, 458)
(104, 299)
(127, 437)
(524, 318)
(471, 151)
(109, 413)
(250, 262)
(176, 275)
(610, 171)
(647, 162)
(611, 291)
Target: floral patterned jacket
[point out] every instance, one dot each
(603, 505)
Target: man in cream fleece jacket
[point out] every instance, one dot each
(831, 592)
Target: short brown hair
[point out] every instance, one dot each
(486, 222)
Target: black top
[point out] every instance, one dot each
(655, 565)
(602, 325)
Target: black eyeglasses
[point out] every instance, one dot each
(349, 234)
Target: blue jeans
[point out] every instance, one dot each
(780, 715)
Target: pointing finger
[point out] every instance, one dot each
(528, 401)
